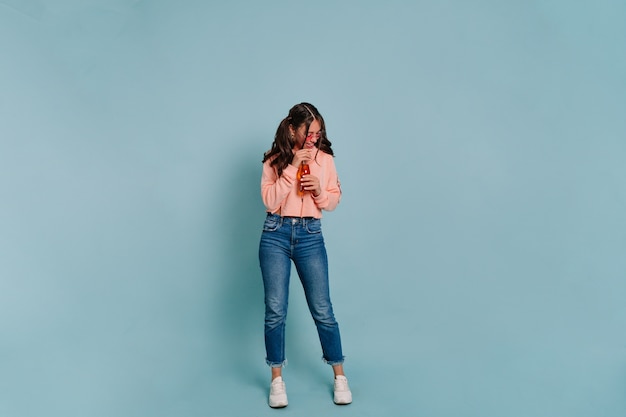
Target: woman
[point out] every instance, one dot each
(292, 232)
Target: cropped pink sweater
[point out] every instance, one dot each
(280, 194)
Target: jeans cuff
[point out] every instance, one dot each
(333, 363)
(276, 364)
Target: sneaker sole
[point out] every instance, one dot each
(342, 401)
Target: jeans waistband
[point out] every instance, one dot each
(293, 219)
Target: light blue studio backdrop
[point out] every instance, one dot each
(477, 258)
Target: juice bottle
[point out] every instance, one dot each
(304, 170)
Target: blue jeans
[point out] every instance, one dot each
(286, 239)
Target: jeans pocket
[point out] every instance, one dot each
(314, 226)
(272, 223)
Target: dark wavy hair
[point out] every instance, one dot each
(281, 152)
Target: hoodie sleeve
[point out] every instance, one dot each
(274, 189)
(331, 188)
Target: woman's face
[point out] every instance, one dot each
(307, 139)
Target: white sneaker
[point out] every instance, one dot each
(278, 393)
(343, 395)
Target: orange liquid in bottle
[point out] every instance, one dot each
(304, 170)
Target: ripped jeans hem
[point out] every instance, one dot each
(334, 363)
(276, 364)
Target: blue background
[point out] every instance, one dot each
(477, 258)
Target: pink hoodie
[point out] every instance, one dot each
(280, 195)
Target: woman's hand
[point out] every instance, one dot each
(300, 156)
(311, 183)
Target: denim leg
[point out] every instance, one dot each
(311, 263)
(275, 267)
